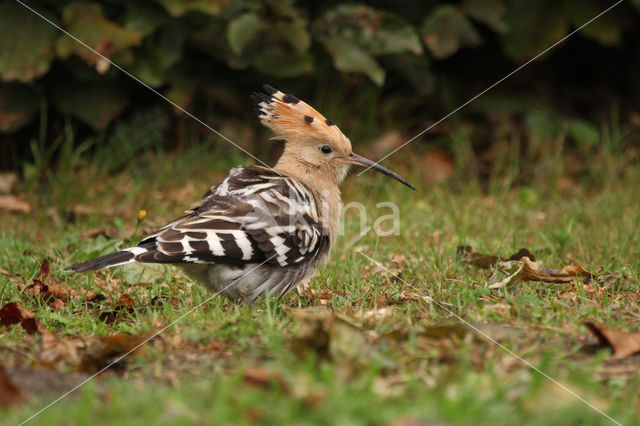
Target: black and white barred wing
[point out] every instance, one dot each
(253, 216)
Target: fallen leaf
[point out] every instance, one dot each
(45, 269)
(60, 291)
(264, 378)
(39, 289)
(486, 261)
(124, 304)
(10, 394)
(46, 287)
(57, 351)
(523, 252)
(623, 343)
(57, 305)
(14, 203)
(13, 313)
(480, 260)
(331, 335)
(321, 296)
(507, 274)
(126, 301)
(88, 354)
(512, 272)
(533, 271)
(572, 295)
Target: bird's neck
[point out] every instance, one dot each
(324, 186)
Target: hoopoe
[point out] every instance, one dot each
(261, 231)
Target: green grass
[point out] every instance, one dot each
(375, 370)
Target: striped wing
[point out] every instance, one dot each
(254, 215)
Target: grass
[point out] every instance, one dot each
(385, 360)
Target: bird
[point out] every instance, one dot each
(261, 231)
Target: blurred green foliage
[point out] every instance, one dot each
(419, 59)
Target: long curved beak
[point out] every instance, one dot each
(365, 162)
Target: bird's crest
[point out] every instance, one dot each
(291, 118)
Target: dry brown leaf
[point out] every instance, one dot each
(479, 260)
(14, 203)
(57, 305)
(486, 261)
(87, 354)
(572, 295)
(533, 271)
(523, 252)
(264, 378)
(322, 296)
(331, 335)
(126, 301)
(46, 287)
(55, 351)
(13, 313)
(623, 343)
(10, 394)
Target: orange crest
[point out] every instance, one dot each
(293, 119)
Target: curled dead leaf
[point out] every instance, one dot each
(512, 272)
(13, 313)
(533, 271)
(623, 343)
(47, 288)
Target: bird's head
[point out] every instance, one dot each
(312, 142)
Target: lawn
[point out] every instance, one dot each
(395, 330)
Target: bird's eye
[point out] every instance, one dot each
(326, 149)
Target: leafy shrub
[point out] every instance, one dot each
(197, 52)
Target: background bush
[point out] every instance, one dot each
(371, 67)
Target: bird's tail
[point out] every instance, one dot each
(108, 260)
